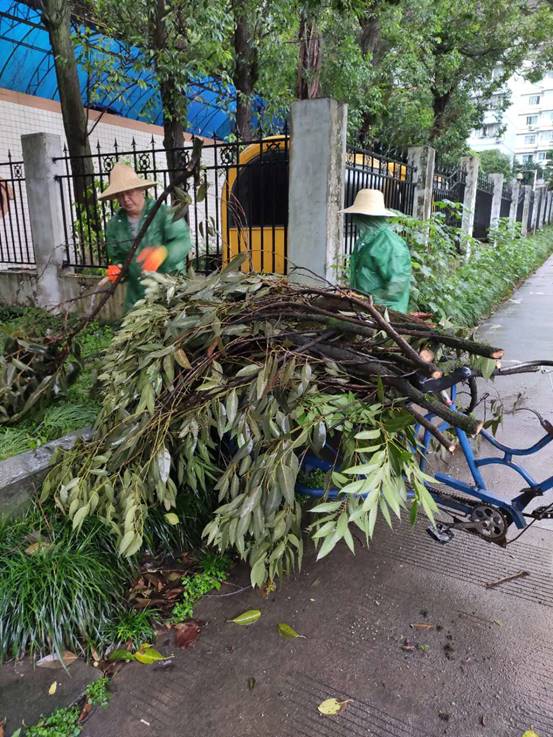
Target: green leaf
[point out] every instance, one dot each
(246, 618)
(368, 434)
(171, 518)
(328, 545)
(121, 655)
(286, 631)
(80, 515)
(250, 370)
(258, 574)
(331, 707)
(147, 655)
(326, 507)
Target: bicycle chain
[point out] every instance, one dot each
(452, 495)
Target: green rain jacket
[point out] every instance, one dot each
(162, 231)
(380, 264)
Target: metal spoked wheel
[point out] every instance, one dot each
(492, 523)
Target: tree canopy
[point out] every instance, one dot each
(412, 71)
(493, 161)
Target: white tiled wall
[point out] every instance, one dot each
(19, 119)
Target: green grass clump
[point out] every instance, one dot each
(214, 572)
(60, 723)
(98, 693)
(131, 626)
(58, 590)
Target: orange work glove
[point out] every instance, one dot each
(152, 257)
(113, 272)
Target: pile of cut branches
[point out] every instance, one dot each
(219, 386)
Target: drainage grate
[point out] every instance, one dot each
(472, 560)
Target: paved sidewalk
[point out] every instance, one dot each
(484, 669)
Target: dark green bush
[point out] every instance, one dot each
(57, 589)
(465, 290)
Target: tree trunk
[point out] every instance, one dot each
(246, 71)
(56, 17)
(440, 103)
(309, 62)
(370, 43)
(172, 98)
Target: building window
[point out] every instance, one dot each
(527, 158)
(534, 99)
(529, 140)
(490, 130)
(531, 119)
(542, 155)
(497, 101)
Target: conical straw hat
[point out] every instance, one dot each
(122, 179)
(369, 202)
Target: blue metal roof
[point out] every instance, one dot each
(27, 65)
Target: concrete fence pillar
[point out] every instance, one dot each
(45, 212)
(534, 220)
(525, 225)
(539, 206)
(549, 206)
(316, 189)
(470, 165)
(543, 205)
(422, 159)
(497, 183)
(515, 189)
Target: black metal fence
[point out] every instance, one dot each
(483, 207)
(506, 199)
(368, 169)
(448, 185)
(520, 205)
(240, 202)
(16, 244)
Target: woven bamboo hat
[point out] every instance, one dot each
(369, 202)
(122, 179)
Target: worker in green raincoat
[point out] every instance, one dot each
(165, 244)
(380, 264)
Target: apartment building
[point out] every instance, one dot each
(524, 131)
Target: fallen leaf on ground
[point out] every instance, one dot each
(530, 733)
(251, 684)
(53, 661)
(147, 655)
(186, 633)
(408, 647)
(289, 632)
(37, 547)
(422, 626)
(1, 729)
(53, 688)
(331, 707)
(85, 711)
(249, 617)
